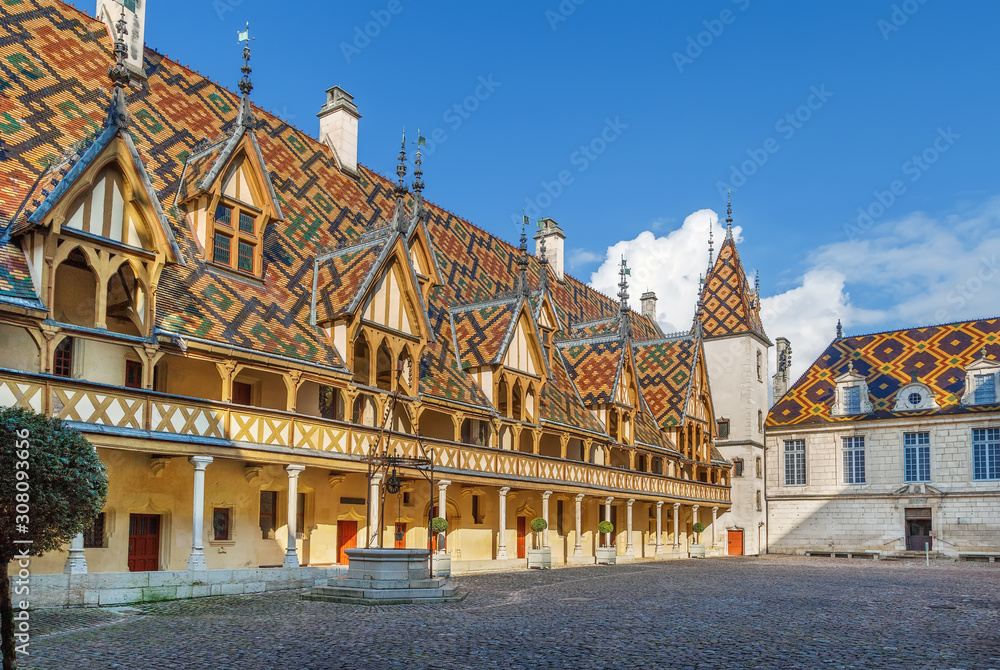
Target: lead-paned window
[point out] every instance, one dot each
(916, 457)
(221, 248)
(222, 524)
(268, 513)
(93, 537)
(247, 222)
(986, 391)
(245, 261)
(795, 462)
(854, 460)
(62, 361)
(986, 453)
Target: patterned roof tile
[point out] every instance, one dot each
(730, 306)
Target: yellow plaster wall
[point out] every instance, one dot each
(18, 350)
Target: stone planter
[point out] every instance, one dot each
(697, 551)
(606, 555)
(442, 565)
(540, 558)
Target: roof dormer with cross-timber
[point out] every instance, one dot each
(97, 240)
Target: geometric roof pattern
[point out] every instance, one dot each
(729, 305)
(594, 364)
(936, 355)
(481, 331)
(665, 370)
(320, 253)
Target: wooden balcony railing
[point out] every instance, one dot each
(117, 407)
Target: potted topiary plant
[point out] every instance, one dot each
(605, 554)
(697, 550)
(441, 560)
(540, 557)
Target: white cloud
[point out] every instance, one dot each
(669, 266)
(911, 271)
(580, 257)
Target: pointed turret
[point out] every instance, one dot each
(624, 325)
(728, 304)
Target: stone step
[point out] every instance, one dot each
(350, 582)
(409, 600)
(381, 594)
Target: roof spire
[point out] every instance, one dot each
(711, 245)
(543, 281)
(840, 330)
(418, 173)
(245, 117)
(624, 326)
(729, 215)
(120, 77)
(522, 262)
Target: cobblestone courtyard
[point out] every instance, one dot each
(770, 612)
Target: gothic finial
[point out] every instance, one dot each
(120, 78)
(418, 173)
(982, 353)
(624, 326)
(756, 285)
(840, 330)
(711, 245)
(729, 215)
(400, 190)
(245, 117)
(522, 261)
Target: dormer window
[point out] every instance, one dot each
(851, 397)
(981, 381)
(986, 390)
(236, 247)
(915, 396)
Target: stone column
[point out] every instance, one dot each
(76, 562)
(607, 517)
(545, 515)
(375, 523)
(677, 526)
(196, 561)
(502, 543)
(715, 517)
(443, 507)
(578, 547)
(292, 556)
(659, 528)
(629, 550)
(694, 517)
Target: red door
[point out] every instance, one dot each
(242, 393)
(400, 536)
(522, 522)
(735, 542)
(347, 538)
(143, 542)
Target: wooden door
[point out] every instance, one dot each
(522, 525)
(736, 542)
(400, 536)
(242, 393)
(918, 528)
(143, 542)
(347, 538)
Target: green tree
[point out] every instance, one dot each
(54, 486)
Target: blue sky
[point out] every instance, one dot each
(686, 93)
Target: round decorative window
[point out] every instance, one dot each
(915, 398)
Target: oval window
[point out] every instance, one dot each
(915, 398)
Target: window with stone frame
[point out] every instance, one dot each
(268, 514)
(133, 374)
(300, 515)
(760, 501)
(854, 459)
(852, 400)
(759, 468)
(722, 428)
(760, 367)
(222, 524)
(985, 454)
(62, 360)
(795, 462)
(916, 457)
(737, 467)
(93, 537)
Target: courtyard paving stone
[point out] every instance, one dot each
(768, 613)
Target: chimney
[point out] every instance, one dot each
(783, 374)
(110, 11)
(648, 301)
(338, 127)
(554, 246)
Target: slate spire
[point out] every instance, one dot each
(729, 215)
(120, 77)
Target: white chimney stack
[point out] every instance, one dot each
(554, 246)
(338, 127)
(110, 11)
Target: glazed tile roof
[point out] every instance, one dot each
(938, 354)
(729, 303)
(594, 364)
(481, 331)
(665, 370)
(53, 97)
(649, 434)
